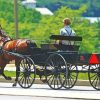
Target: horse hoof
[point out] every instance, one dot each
(44, 81)
(14, 85)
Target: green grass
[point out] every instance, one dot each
(82, 76)
(10, 73)
(13, 73)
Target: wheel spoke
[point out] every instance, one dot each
(96, 82)
(52, 79)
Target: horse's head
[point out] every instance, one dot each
(17, 45)
(3, 37)
(1, 31)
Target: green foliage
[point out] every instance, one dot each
(97, 38)
(52, 25)
(28, 18)
(93, 5)
(37, 27)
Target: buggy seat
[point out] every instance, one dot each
(74, 47)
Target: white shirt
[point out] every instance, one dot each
(67, 31)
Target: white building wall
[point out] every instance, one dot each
(32, 4)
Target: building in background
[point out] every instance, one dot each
(93, 19)
(29, 3)
(32, 5)
(44, 11)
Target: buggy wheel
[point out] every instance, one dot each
(72, 76)
(55, 71)
(27, 73)
(94, 76)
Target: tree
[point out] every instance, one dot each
(93, 5)
(28, 18)
(51, 25)
(38, 27)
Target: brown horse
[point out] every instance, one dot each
(22, 46)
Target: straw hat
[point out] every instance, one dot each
(67, 21)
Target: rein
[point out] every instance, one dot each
(0, 50)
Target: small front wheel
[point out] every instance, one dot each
(27, 73)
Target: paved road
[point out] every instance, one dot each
(41, 90)
(11, 97)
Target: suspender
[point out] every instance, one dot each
(69, 34)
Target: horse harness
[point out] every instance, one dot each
(1, 50)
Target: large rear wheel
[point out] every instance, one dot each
(94, 76)
(55, 70)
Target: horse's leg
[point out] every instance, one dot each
(2, 72)
(17, 62)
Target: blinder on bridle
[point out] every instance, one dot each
(0, 48)
(3, 35)
(0, 30)
(1, 51)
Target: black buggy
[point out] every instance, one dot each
(57, 65)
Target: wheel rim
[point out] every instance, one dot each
(71, 78)
(94, 76)
(27, 73)
(55, 69)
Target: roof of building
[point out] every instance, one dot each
(44, 11)
(28, 1)
(93, 19)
